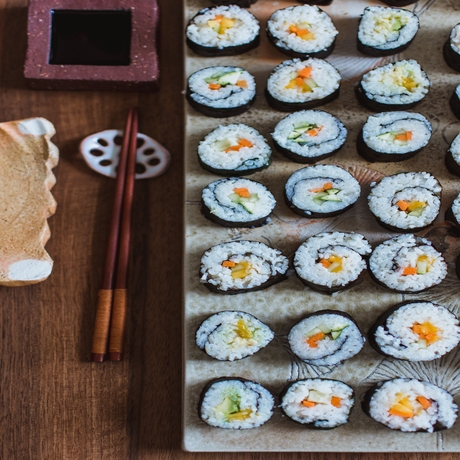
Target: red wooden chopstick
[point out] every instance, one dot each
(105, 294)
(120, 300)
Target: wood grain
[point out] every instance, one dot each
(55, 404)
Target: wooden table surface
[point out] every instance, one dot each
(55, 403)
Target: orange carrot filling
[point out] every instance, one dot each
(424, 402)
(314, 339)
(300, 83)
(220, 24)
(242, 192)
(336, 401)
(242, 83)
(305, 72)
(241, 143)
(214, 86)
(406, 136)
(426, 331)
(409, 271)
(314, 131)
(307, 403)
(304, 34)
(228, 263)
(411, 206)
(326, 186)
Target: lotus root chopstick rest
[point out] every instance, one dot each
(101, 152)
(26, 159)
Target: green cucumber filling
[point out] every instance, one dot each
(224, 79)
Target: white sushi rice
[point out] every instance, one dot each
(325, 76)
(455, 38)
(265, 262)
(217, 197)
(247, 396)
(412, 186)
(389, 83)
(328, 351)
(227, 96)
(212, 154)
(244, 30)
(443, 410)
(299, 188)
(305, 17)
(456, 208)
(376, 28)
(397, 338)
(351, 247)
(331, 136)
(389, 259)
(322, 415)
(454, 148)
(392, 122)
(220, 335)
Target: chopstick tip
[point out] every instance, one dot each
(97, 357)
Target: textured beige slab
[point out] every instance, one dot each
(284, 304)
(26, 159)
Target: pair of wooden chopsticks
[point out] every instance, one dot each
(110, 323)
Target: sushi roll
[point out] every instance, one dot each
(384, 31)
(237, 202)
(234, 150)
(242, 266)
(453, 213)
(331, 262)
(297, 85)
(406, 202)
(453, 156)
(407, 263)
(395, 86)
(222, 31)
(326, 338)
(451, 49)
(415, 331)
(232, 335)
(235, 403)
(321, 191)
(393, 136)
(309, 136)
(302, 31)
(454, 102)
(318, 403)
(410, 405)
(222, 91)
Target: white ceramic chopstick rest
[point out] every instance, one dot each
(101, 152)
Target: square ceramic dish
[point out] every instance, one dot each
(282, 305)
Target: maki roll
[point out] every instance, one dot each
(454, 102)
(453, 156)
(222, 91)
(235, 403)
(406, 202)
(415, 331)
(410, 405)
(385, 31)
(302, 31)
(451, 49)
(326, 338)
(318, 403)
(453, 213)
(321, 191)
(237, 202)
(331, 262)
(309, 136)
(393, 136)
(242, 266)
(296, 85)
(395, 86)
(222, 31)
(407, 263)
(232, 335)
(234, 150)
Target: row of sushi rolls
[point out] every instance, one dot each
(331, 261)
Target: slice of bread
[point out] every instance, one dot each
(26, 159)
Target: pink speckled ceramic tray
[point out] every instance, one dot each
(282, 305)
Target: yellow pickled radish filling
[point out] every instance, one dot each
(243, 330)
(333, 264)
(404, 407)
(240, 415)
(302, 80)
(221, 24)
(411, 206)
(239, 270)
(422, 266)
(230, 407)
(427, 332)
(302, 31)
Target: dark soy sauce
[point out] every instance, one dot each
(90, 37)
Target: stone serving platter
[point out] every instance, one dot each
(282, 305)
